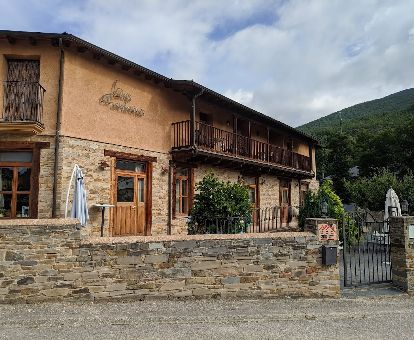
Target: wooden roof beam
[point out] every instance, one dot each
(33, 41)
(11, 40)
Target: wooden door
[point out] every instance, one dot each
(254, 200)
(129, 212)
(284, 199)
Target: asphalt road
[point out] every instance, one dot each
(388, 317)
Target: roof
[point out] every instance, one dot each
(187, 86)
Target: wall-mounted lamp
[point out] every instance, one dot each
(228, 123)
(103, 164)
(164, 170)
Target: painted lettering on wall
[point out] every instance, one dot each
(118, 100)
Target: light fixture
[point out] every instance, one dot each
(228, 123)
(404, 208)
(103, 164)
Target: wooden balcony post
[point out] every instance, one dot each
(250, 139)
(310, 157)
(268, 144)
(235, 141)
(192, 118)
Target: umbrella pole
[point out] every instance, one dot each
(70, 184)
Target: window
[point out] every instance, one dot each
(15, 183)
(182, 191)
(130, 165)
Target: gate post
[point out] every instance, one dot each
(402, 252)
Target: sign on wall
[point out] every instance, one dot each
(327, 232)
(118, 100)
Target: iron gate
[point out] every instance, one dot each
(366, 253)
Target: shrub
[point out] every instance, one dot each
(216, 199)
(312, 204)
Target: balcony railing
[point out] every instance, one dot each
(22, 102)
(224, 142)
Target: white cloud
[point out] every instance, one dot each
(313, 58)
(241, 96)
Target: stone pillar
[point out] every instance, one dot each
(402, 252)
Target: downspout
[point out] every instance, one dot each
(192, 118)
(58, 127)
(170, 184)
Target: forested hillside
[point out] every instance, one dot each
(378, 138)
(376, 115)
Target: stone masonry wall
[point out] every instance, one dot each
(402, 253)
(88, 155)
(44, 260)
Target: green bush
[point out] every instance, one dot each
(312, 209)
(221, 200)
(313, 201)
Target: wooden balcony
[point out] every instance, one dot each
(22, 108)
(221, 144)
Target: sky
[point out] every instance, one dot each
(294, 60)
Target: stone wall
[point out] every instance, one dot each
(44, 260)
(402, 253)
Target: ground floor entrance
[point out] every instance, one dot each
(131, 198)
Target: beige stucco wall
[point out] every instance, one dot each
(49, 57)
(87, 80)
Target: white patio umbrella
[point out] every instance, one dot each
(392, 204)
(79, 204)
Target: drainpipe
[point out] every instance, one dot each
(192, 118)
(58, 127)
(170, 184)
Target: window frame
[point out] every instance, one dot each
(34, 147)
(189, 178)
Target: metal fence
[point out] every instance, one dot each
(262, 220)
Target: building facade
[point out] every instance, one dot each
(142, 140)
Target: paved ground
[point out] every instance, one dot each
(379, 317)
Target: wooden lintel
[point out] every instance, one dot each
(24, 145)
(129, 156)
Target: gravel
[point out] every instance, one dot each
(384, 317)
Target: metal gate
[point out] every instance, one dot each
(366, 254)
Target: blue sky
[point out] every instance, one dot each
(294, 60)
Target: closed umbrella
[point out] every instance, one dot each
(79, 204)
(392, 204)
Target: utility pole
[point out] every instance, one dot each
(340, 120)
